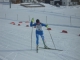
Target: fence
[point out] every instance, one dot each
(52, 17)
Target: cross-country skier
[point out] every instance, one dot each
(39, 31)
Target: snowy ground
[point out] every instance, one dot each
(15, 41)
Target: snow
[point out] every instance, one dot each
(15, 41)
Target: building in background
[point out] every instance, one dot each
(71, 2)
(53, 2)
(22, 1)
(57, 2)
(65, 2)
(16, 1)
(4, 0)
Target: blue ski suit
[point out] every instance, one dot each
(39, 31)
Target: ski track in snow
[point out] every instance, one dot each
(15, 43)
(15, 38)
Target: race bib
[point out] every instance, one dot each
(38, 27)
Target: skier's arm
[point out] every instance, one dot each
(31, 24)
(44, 25)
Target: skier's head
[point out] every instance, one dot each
(37, 21)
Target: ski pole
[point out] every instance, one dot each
(52, 39)
(32, 32)
(50, 34)
(31, 37)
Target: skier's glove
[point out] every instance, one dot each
(32, 20)
(47, 26)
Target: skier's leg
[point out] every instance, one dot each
(37, 39)
(37, 42)
(43, 41)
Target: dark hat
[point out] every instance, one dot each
(37, 21)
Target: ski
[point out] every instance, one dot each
(50, 48)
